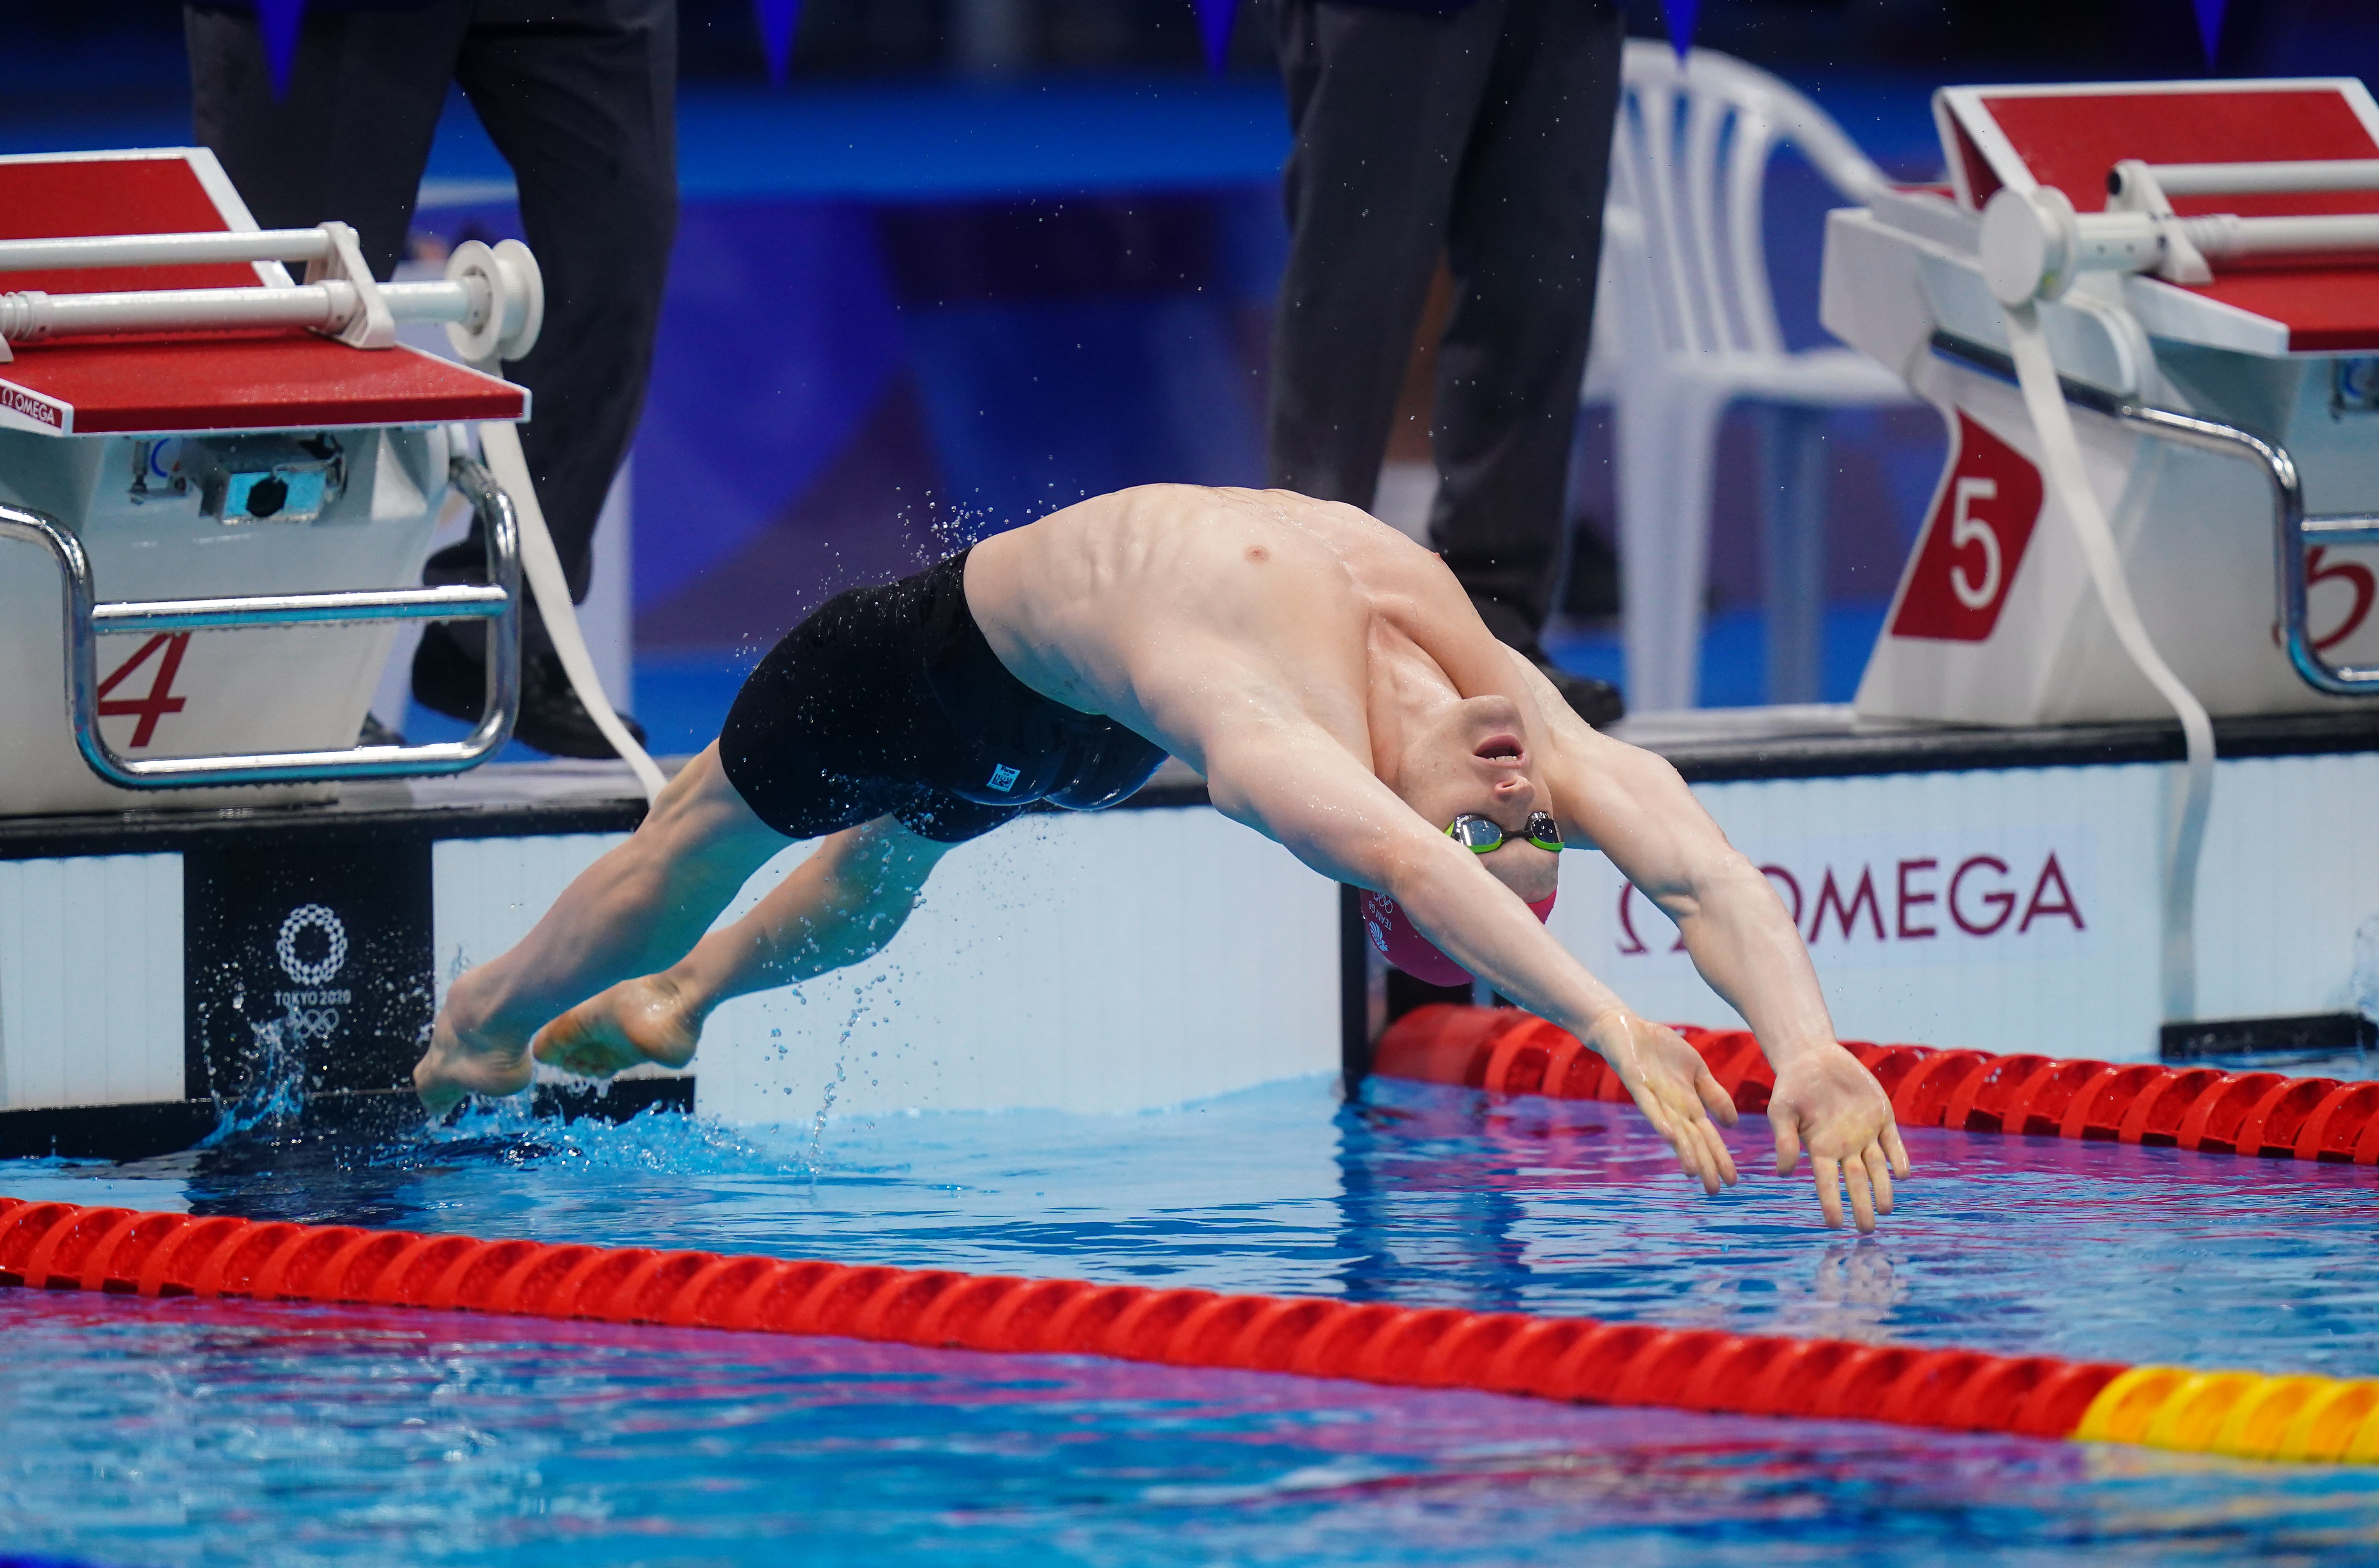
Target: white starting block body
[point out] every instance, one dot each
(2198, 405)
(265, 467)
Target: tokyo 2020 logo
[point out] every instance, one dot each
(315, 971)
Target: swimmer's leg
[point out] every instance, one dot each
(843, 904)
(640, 908)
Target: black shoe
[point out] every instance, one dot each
(447, 680)
(375, 733)
(1597, 702)
(1591, 591)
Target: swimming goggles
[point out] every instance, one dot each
(1483, 835)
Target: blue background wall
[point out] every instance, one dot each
(928, 289)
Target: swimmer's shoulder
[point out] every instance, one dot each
(1170, 534)
(1402, 578)
(1164, 508)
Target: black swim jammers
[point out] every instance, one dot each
(888, 701)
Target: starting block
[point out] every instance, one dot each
(2149, 313)
(2216, 328)
(218, 484)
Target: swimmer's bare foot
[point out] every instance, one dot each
(457, 1065)
(634, 1023)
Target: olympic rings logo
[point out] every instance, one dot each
(321, 971)
(311, 1025)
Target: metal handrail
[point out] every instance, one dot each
(458, 601)
(2293, 531)
(497, 603)
(164, 250)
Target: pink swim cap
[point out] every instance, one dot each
(1403, 944)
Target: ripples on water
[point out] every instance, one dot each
(172, 1432)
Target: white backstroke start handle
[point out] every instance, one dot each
(492, 299)
(2034, 244)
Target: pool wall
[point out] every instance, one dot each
(1117, 962)
(2016, 909)
(1112, 963)
(1995, 890)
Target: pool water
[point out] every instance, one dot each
(168, 1432)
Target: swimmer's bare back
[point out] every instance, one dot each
(1166, 606)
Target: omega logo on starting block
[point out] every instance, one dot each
(1974, 541)
(15, 400)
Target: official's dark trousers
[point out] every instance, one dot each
(579, 96)
(1484, 135)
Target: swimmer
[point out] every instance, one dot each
(1332, 683)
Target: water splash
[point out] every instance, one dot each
(2362, 985)
(815, 1151)
(275, 1097)
(509, 1132)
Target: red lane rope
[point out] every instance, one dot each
(1505, 1051)
(62, 1247)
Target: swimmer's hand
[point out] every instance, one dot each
(634, 1023)
(1673, 1087)
(1828, 1102)
(462, 1062)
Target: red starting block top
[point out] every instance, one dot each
(158, 384)
(2070, 136)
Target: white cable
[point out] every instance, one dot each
(2185, 837)
(501, 443)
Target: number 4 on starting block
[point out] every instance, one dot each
(166, 647)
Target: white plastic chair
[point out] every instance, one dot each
(1686, 325)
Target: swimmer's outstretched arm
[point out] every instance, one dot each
(1292, 781)
(639, 908)
(1633, 806)
(843, 904)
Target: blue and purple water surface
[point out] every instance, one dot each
(138, 1433)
